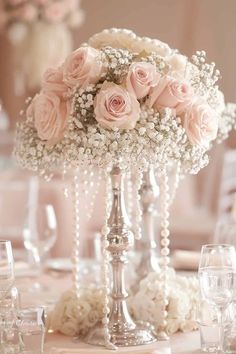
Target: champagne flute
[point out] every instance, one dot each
(6, 268)
(39, 234)
(217, 270)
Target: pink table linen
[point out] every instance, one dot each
(180, 343)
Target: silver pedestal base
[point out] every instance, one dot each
(140, 335)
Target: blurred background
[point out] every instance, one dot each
(188, 25)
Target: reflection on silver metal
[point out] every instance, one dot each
(149, 193)
(123, 330)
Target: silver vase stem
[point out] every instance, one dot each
(123, 330)
(149, 193)
(120, 240)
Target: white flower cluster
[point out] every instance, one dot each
(153, 141)
(148, 303)
(72, 316)
(204, 77)
(227, 122)
(117, 62)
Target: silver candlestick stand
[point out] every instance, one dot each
(123, 330)
(149, 193)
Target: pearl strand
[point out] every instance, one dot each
(105, 266)
(129, 187)
(165, 242)
(64, 173)
(138, 211)
(85, 181)
(95, 190)
(75, 249)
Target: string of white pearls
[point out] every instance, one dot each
(85, 181)
(105, 266)
(64, 172)
(138, 211)
(129, 187)
(130, 34)
(165, 242)
(94, 185)
(76, 238)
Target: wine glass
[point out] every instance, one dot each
(6, 268)
(39, 234)
(217, 269)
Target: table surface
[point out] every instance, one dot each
(55, 343)
(180, 343)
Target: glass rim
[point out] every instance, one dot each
(5, 241)
(214, 245)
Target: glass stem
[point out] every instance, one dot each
(220, 322)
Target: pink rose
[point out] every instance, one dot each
(141, 77)
(50, 115)
(82, 67)
(116, 107)
(55, 11)
(170, 92)
(52, 81)
(26, 12)
(72, 4)
(200, 122)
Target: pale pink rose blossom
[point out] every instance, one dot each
(50, 114)
(82, 67)
(170, 93)
(26, 12)
(72, 4)
(55, 11)
(141, 77)
(116, 107)
(200, 122)
(53, 81)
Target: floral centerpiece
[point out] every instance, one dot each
(109, 103)
(74, 318)
(32, 26)
(122, 102)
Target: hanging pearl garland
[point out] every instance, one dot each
(105, 265)
(129, 187)
(75, 248)
(95, 186)
(165, 242)
(65, 188)
(85, 181)
(138, 210)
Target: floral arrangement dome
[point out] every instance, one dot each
(128, 98)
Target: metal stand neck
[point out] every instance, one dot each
(123, 330)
